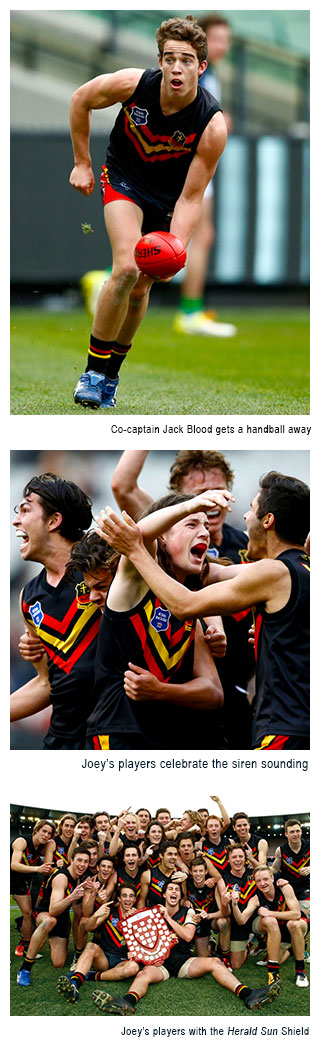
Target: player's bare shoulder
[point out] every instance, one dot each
(107, 89)
(213, 140)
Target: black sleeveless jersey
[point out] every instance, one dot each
(283, 657)
(44, 897)
(67, 624)
(247, 889)
(155, 151)
(253, 843)
(149, 636)
(109, 935)
(182, 950)
(61, 850)
(124, 878)
(30, 854)
(202, 899)
(277, 904)
(158, 880)
(216, 852)
(291, 865)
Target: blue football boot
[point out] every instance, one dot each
(89, 390)
(109, 391)
(23, 978)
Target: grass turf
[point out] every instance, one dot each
(171, 998)
(263, 370)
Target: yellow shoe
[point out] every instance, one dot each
(201, 323)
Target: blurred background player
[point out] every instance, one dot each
(192, 317)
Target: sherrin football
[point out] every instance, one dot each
(160, 254)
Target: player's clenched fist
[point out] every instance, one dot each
(82, 178)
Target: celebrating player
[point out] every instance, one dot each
(163, 151)
(278, 524)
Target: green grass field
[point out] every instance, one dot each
(171, 998)
(263, 370)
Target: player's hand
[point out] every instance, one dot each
(249, 854)
(30, 647)
(263, 912)
(77, 831)
(210, 882)
(282, 881)
(82, 178)
(78, 892)
(102, 837)
(216, 639)
(46, 868)
(122, 533)
(214, 798)
(179, 876)
(210, 499)
(104, 911)
(305, 871)
(140, 684)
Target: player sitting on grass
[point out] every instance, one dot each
(163, 151)
(181, 964)
(278, 919)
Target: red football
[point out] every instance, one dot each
(160, 254)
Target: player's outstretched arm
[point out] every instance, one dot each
(34, 696)
(128, 494)
(99, 93)
(152, 526)
(188, 206)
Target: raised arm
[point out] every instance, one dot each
(223, 812)
(188, 206)
(99, 93)
(128, 494)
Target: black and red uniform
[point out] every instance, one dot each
(67, 623)
(123, 878)
(283, 663)
(182, 950)
(20, 886)
(158, 880)
(61, 850)
(246, 889)
(278, 903)
(110, 938)
(291, 865)
(202, 898)
(63, 920)
(150, 636)
(149, 154)
(216, 852)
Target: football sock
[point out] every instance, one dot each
(242, 992)
(77, 978)
(273, 971)
(300, 965)
(27, 963)
(131, 997)
(98, 355)
(117, 357)
(189, 305)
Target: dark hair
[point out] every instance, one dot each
(198, 460)
(162, 809)
(186, 29)
(184, 834)
(82, 848)
(168, 844)
(164, 559)
(239, 816)
(61, 495)
(106, 857)
(84, 820)
(172, 883)
(289, 501)
(130, 845)
(90, 555)
(101, 812)
(198, 861)
(146, 840)
(90, 843)
(127, 885)
(291, 823)
(143, 808)
(236, 845)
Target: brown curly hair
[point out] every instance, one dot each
(186, 29)
(198, 460)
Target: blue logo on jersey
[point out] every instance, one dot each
(213, 553)
(160, 619)
(139, 116)
(289, 859)
(114, 920)
(210, 852)
(36, 613)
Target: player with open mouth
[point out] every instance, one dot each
(169, 695)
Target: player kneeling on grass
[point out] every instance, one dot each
(279, 919)
(63, 888)
(180, 963)
(107, 952)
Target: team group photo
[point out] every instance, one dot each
(110, 911)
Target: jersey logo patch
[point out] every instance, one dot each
(178, 138)
(160, 619)
(139, 116)
(36, 613)
(82, 594)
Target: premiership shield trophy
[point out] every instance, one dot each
(147, 935)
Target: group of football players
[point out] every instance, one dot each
(219, 891)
